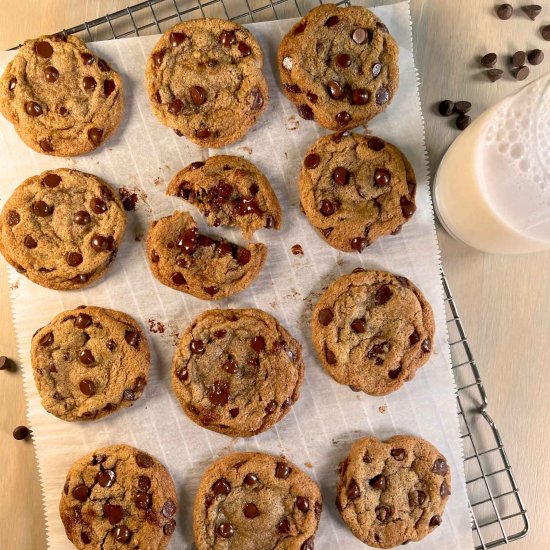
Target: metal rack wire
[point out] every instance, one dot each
(498, 513)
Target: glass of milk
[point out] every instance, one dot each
(492, 188)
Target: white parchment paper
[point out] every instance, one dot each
(316, 434)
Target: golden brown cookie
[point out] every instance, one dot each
(118, 497)
(393, 492)
(356, 188)
(89, 362)
(372, 330)
(237, 371)
(211, 269)
(61, 98)
(229, 191)
(255, 501)
(339, 66)
(204, 79)
(62, 228)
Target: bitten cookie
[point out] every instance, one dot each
(237, 371)
(339, 66)
(255, 501)
(210, 269)
(356, 188)
(204, 80)
(89, 362)
(62, 229)
(372, 330)
(61, 98)
(229, 191)
(393, 492)
(118, 497)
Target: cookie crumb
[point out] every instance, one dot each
(308, 464)
(128, 197)
(156, 181)
(156, 327)
(15, 286)
(382, 409)
(138, 237)
(246, 149)
(292, 123)
(297, 250)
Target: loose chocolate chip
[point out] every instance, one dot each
(108, 87)
(343, 60)
(228, 38)
(535, 57)
(284, 526)
(98, 206)
(122, 533)
(353, 490)
(106, 478)
(489, 60)
(383, 513)
(382, 95)
(505, 11)
(95, 135)
(4, 363)
(359, 36)
(494, 74)
(462, 107)
(85, 357)
(47, 339)
(282, 470)
(144, 483)
(13, 218)
(325, 316)
(198, 95)
(250, 479)
(330, 357)
(360, 96)
(250, 510)
(327, 208)
(103, 65)
(257, 344)
(446, 107)
(225, 530)
(398, 454)
(444, 490)
(343, 118)
(532, 11)
(176, 38)
(544, 31)
(89, 83)
(21, 432)
(382, 177)
(41, 209)
(202, 132)
(12, 83)
(435, 521)
(383, 294)
(74, 259)
(33, 109)
(331, 21)
(43, 49)
(519, 58)
(522, 73)
(30, 242)
(359, 243)
(142, 500)
(305, 112)
(143, 460)
(244, 48)
(197, 346)
(408, 207)
(358, 325)
(340, 176)
(378, 482)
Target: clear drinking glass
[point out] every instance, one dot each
(492, 188)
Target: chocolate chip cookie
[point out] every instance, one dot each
(339, 66)
(393, 492)
(89, 362)
(237, 371)
(118, 497)
(204, 80)
(255, 501)
(372, 330)
(62, 229)
(61, 98)
(229, 191)
(355, 188)
(207, 268)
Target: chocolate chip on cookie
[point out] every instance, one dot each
(182, 258)
(229, 191)
(89, 362)
(204, 79)
(116, 496)
(237, 371)
(244, 499)
(339, 66)
(61, 98)
(62, 228)
(356, 188)
(372, 330)
(393, 492)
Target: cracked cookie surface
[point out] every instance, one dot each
(89, 362)
(61, 98)
(207, 268)
(229, 191)
(372, 330)
(356, 188)
(118, 497)
(237, 371)
(204, 79)
(62, 228)
(393, 492)
(339, 66)
(255, 501)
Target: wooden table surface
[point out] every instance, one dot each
(504, 300)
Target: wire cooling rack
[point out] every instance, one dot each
(498, 514)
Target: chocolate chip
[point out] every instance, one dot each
(271, 407)
(250, 479)
(43, 49)
(331, 21)
(418, 498)
(446, 107)
(435, 521)
(98, 206)
(382, 177)
(532, 11)
(13, 218)
(122, 533)
(343, 60)
(330, 357)
(340, 176)
(228, 38)
(85, 537)
(211, 290)
(198, 96)
(335, 89)
(33, 109)
(250, 510)
(376, 69)
(359, 243)
(378, 482)
(106, 478)
(489, 60)
(41, 209)
(81, 492)
(21, 432)
(343, 118)
(360, 96)
(312, 161)
(305, 112)
(284, 526)
(327, 208)
(359, 36)
(143, 460)
(521, 73)
(30, 242)
(327, 231)
(87, 58)
(312, 97)
(256, 99)
(47, 339)
(544, 31)
(175, 106)
(300, 28)
(103, 65)
(382, 95)
(4, 363)
(518, 59)
(398, 454)
(383, 294)
(158, 57)
(74, 259)
(444, 490)
(85, 357)
(282, 470)
(505, 11)
(383, 513)
(535, 57)
(358, 325)
(218, 393)
(95, 135)
(108, 87)
(440, 467)
(87, 387)
(225, 530)
(353, 490)
(132, 338)
(142, 500)
(244, 48)
(169, 527)
(169, 509)
(325, 316)
(462, 107)
(202, 132)
(12, 83)
(197, 346)
(257, 344)
(144, 483)
(89, 83)
(426, 345)
(408, 207)
(494, 74)
(176, 38)
(51, 74)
